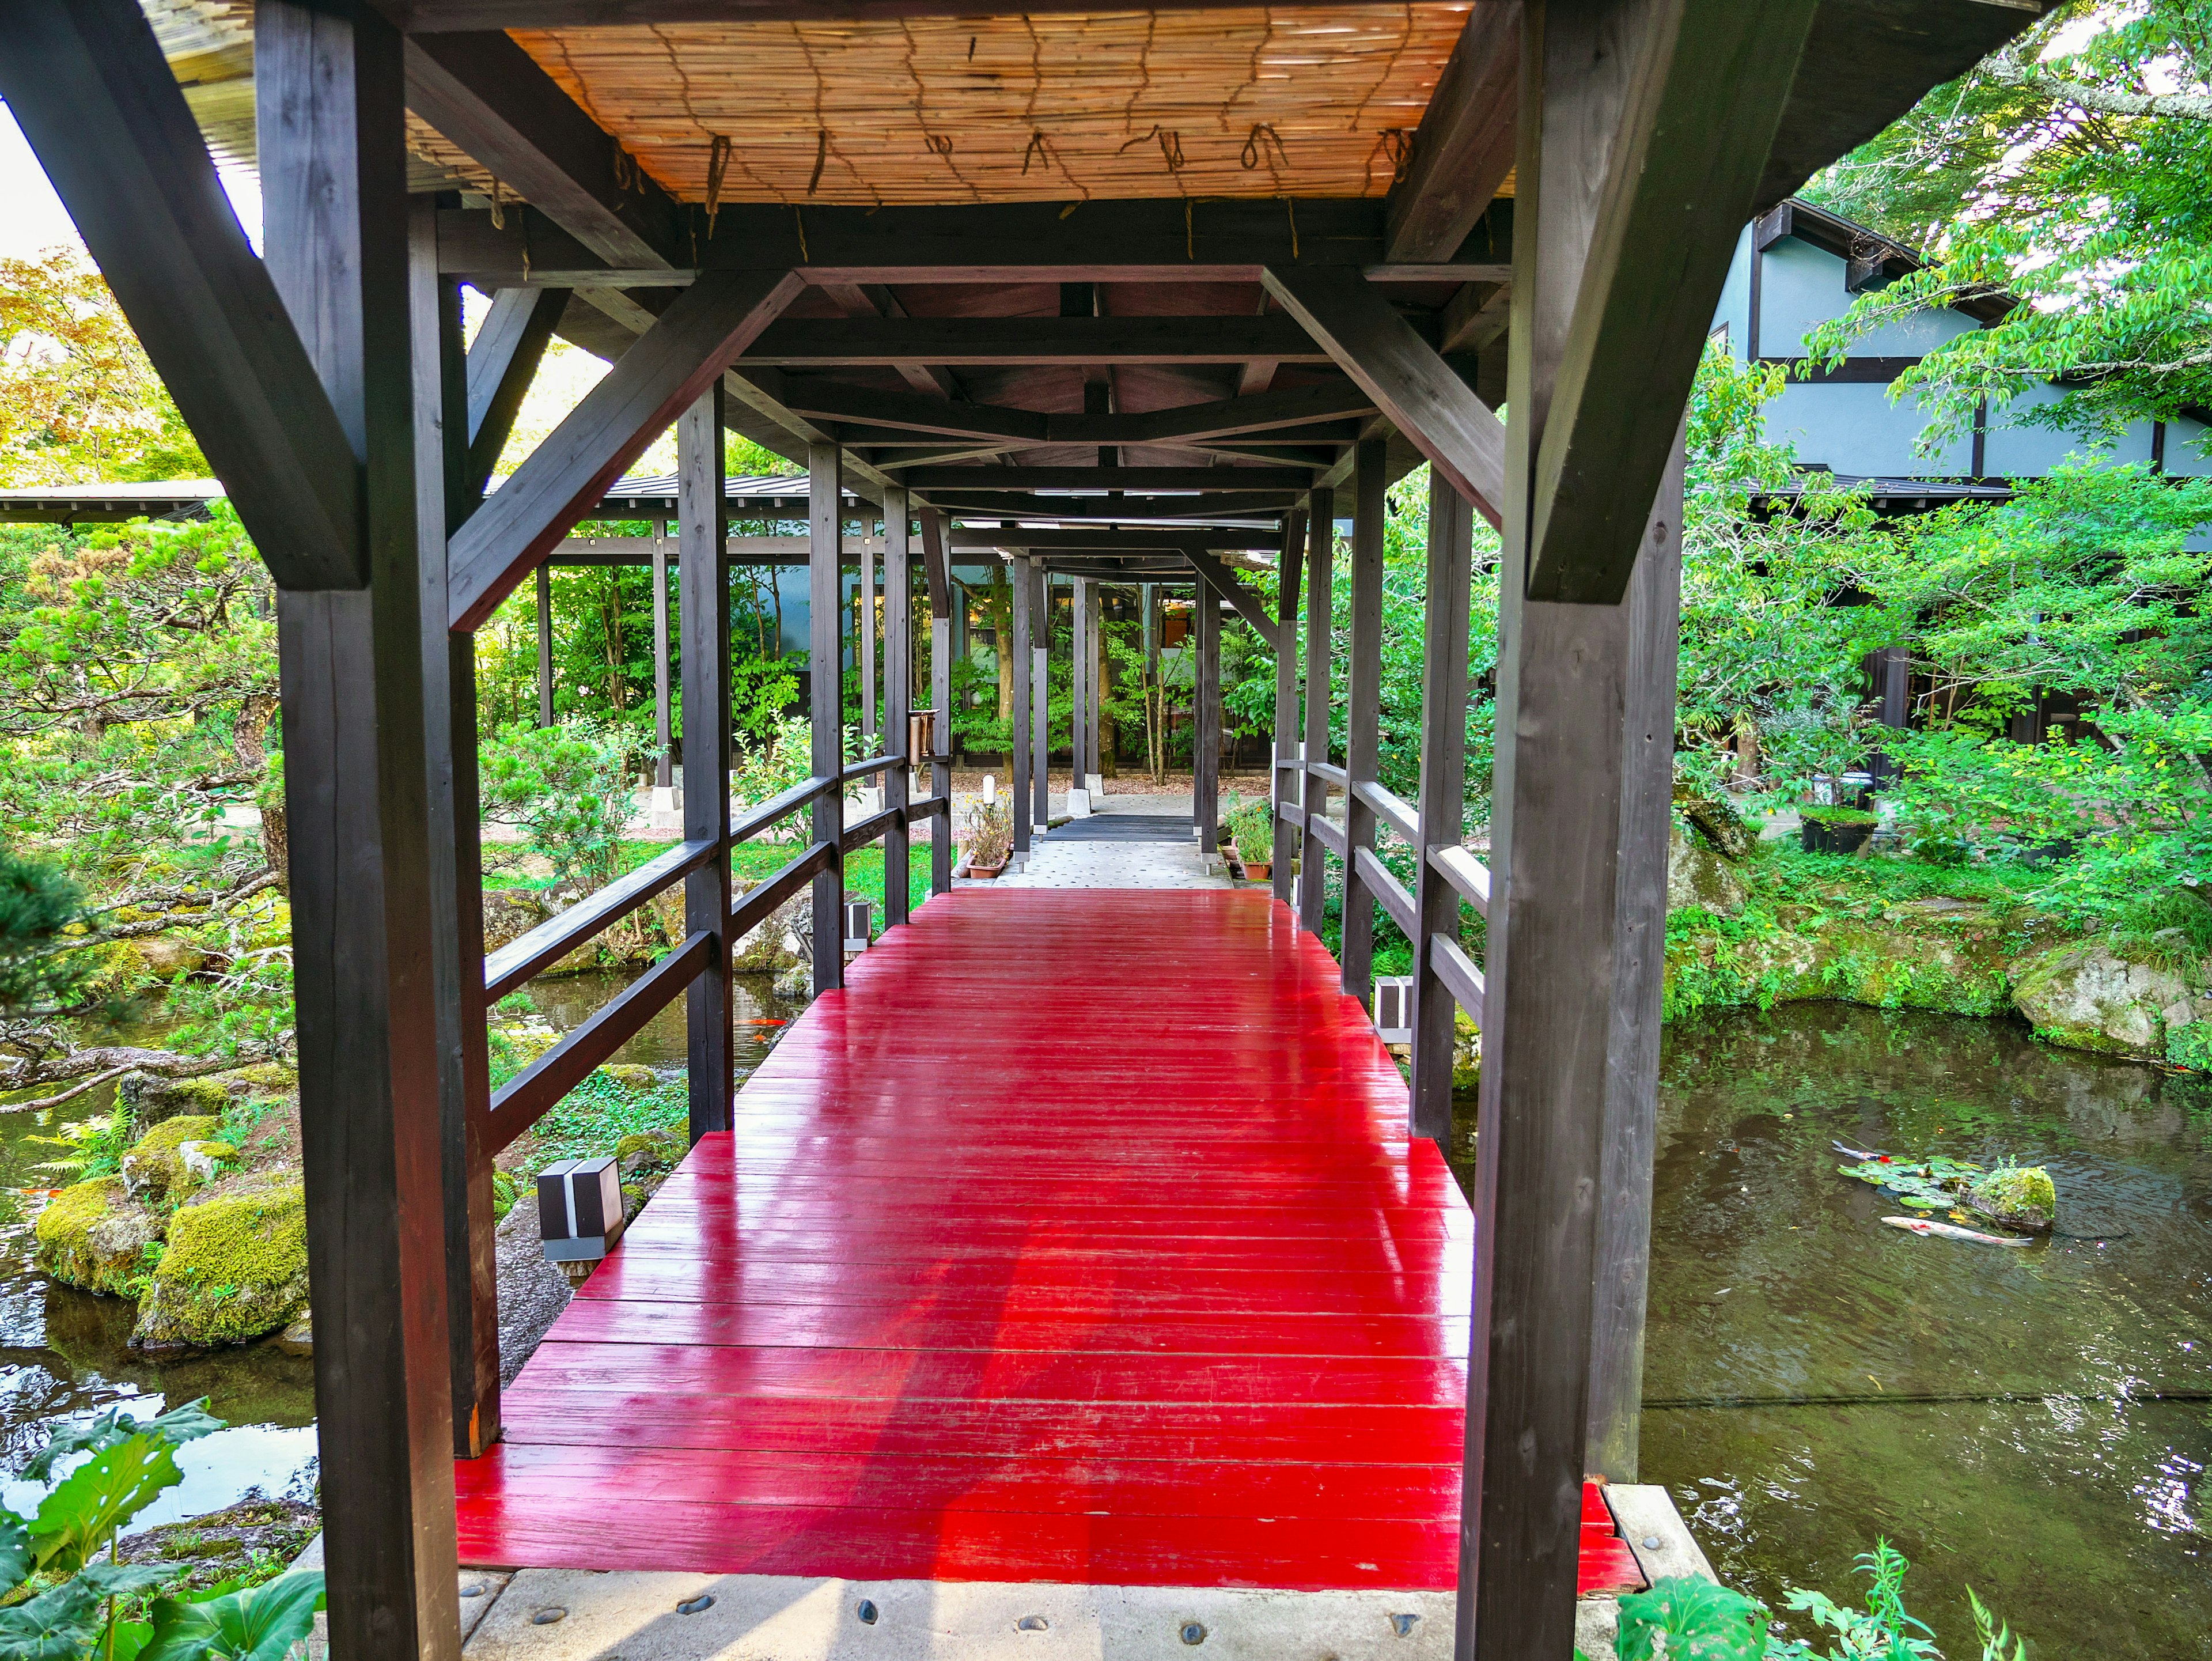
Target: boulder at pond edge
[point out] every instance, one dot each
(2089, 997)
(235, 1268)
(94, 1235)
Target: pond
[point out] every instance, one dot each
(2034, 1423)
(66, 1354)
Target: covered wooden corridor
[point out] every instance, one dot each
(1078, 1239)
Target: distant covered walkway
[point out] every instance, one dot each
(1078, 1239)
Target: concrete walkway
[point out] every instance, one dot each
(1062, 861)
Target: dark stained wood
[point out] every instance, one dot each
(1443, 795)
(1383, 888)
(502, 362)
(941, 695)
(1206, 720)
(544, 647)
(1363, 678)
(1419, 392)
(1475, 316)
(1231, 587)
(833, 401)
(1025, 626)
(1117, 510)
(1321, 644)
(761, 901)
(898, 695)
(525, 1098)
(102, 110)
(1040, 694)
(702, 526)
(825, 676)
(1078, 680)
(430, 16)
(364, 902)
(1107, 540)
(564, 478)
(1072, 341)
(488, 96)
(1287, 780)
(1631, 1085)
(1677, 160)
(553, 940)
(1106, 478)
(456, 859)
(1463, 148)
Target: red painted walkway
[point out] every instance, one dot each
(1079, 1240)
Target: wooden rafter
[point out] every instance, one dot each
(1231, 587)
(503, 360)
(1463, 148)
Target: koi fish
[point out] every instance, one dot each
(1949, 1232)
(1862, 1155)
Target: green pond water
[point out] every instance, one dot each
(2034, 1423)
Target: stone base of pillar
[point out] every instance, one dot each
(1079, 804)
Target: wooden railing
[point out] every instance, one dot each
(519, 1103)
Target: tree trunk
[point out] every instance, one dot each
(249, 743)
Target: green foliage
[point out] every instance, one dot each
(989, 838)
(1689, 1618)
(1253, 826)
(778, 759)
(566, 788)
(39, 910)
(260, 1624)
(503, 1192)
(2066, 170)
(93, 1147)
(1882, 1631)
(595, 1116)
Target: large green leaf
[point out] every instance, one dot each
(260, 1625)
(1699, 1620)
(98, 1497)
(55, 1626)
(127, 1580)
(175, 1427)
(16, 1556)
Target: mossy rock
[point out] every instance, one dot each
(157, 1168)
(1467, 1052)
(632, 1078)
(153, 1098)
(650, 1150)
(95, 1236)
(2092, 998)
(2019, 1196)
(236, 1268)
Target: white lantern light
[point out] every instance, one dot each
(1393, 1008)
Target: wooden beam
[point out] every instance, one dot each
(1065, 341)
(101, 108)
(1289, 566)
(1110, 539)
(1014, 504)
(1297, 407)
(1417, 391)
(825, 676)
(832, 400)
(940, 694)
(363, 748)
(1630, 1132)
(1206, 720)
(502, 362)
(1476, 316)
(704, 618)
(1040, 694)
(1363, 709)
(1678, 158)
(898, 695)
(424, 16)
(1226, 583)
(1321, 625)
(1137, 479)
(565, 476)
(1463, 148)
(1017, 717)
(485, 93)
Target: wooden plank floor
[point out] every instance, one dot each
(1079, 1240)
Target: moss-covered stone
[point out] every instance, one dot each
(2019, 1196)
(236, 1268)
(650, 1150)
(156, 1167)
(2088, 997)
(632, 1078)
(95, 1236)
(152, 1098)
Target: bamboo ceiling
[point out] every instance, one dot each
(1247, 103)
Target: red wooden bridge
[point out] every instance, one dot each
(1078, 1239)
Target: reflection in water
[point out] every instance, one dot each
(1857, 1363)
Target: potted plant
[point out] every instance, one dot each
(990, 839)
(1835, 829)
(1252, 838)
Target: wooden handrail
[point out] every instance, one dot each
(1327, 832)
(1393, 810)
(778, 807)
(556, 938)
(1382, 884)
(1457, 971)
(1291, 814)
(1329, 774)
(883, 764)
(1464, 872)
(758, 903)
(861, 832)
(520, 1102)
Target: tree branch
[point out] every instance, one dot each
(2007, 70)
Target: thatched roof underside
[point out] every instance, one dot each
(1247, 102)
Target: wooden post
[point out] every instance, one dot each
(371, 917)
(865, 645)
(1205, 736)
(898, 679)
(1443, 796)
(1321, 562)
(1078, 683)
(1283, 791)
(943, 621)
(1094, 676)
(825, 664)
(544, 646)
(1364, 712)
(1019, 748)
(663, 762)
(1040, 695)
(704, 570)
(443, 498)
(1632, 1079)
